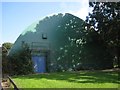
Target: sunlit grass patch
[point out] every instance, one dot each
(83, 79)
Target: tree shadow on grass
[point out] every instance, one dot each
(77, 77)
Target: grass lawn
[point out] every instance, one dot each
(83, 79)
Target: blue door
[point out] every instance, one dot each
(39, 64)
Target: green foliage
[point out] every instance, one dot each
(94, 54)
(105, 19)
(5, 63)
(21, 62)
(8, 45)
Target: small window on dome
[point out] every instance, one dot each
(23, 44)
(44, 36)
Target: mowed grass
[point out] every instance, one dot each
(83, 79)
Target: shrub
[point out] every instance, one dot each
(5, 62)
(21, 62)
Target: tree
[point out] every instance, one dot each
(105, 19)
(5, 49)
(21, 62)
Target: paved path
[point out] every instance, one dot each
(5, 84)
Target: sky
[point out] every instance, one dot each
(17, 16)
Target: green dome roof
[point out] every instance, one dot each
(55, 26)
(30, 28)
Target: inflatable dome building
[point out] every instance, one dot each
(55, 43)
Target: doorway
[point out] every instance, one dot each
(39, 63)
